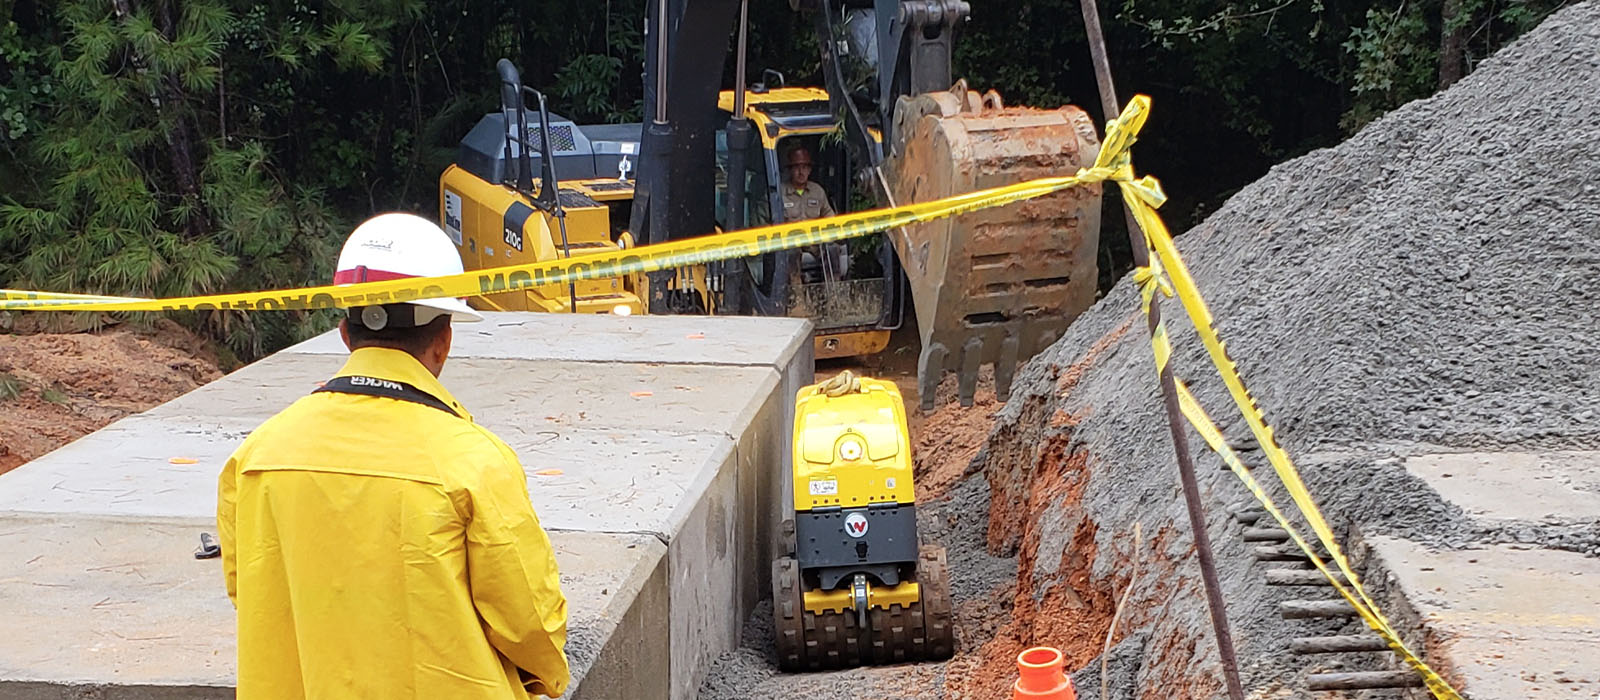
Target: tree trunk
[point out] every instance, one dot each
(182, 135)
(1452, 43)
(169, 101)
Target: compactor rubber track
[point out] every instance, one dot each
(810, 641)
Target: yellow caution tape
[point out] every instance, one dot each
(1167, 274)
(601, 265)
(1112, 163)
(1354, 594)
(14, 294)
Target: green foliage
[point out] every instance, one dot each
(10, 387)
(587, 85)
(1395, 62)
(53, 395)
(192, 146)
(139, 190)
(27, 87)
(1375, 55)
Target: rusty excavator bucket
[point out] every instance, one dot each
(998, 285)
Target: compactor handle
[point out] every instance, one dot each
(845, 382)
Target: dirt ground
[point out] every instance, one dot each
(57, 387)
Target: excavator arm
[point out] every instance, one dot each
(998, 286)
(990, 288)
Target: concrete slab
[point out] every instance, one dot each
(618, 481)
(610, 481)
(662, 441)
(1529, 486)
(131, 612)
(700, 340)
(558, 393)
(1502, 622)
(125, 469)
(618, 451)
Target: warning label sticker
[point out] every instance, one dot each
(452, 216)
(829, 487)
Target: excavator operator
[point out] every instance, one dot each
(376, 540)
(804, 199)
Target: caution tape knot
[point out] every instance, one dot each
(1151, 278)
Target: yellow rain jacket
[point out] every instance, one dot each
(379, 548)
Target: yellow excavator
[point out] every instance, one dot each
(852, 583)
(992, 287)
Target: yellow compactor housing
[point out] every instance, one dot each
(860, 588)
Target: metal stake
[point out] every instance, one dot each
(1169, 391)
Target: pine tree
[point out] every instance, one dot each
(146, 193)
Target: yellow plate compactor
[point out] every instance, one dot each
(860, 589)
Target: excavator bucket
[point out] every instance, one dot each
(996, 286)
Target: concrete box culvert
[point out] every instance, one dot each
(662, 439)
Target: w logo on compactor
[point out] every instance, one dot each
(855, 525)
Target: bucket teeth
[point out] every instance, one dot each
(999, 285)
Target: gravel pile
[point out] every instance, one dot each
(1429, 285)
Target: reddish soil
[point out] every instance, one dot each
(1064, 608)
(57, 387)
(1074, 612)
(946, 440)
(1010, 502)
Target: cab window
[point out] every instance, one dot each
(755, 184)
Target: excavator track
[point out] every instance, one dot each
(810, 641)
(998, 285)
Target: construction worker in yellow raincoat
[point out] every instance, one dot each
(376, 541)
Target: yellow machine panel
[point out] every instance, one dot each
(839, 600)
(851, 446)
(850, 344)
(494, 225)
(783, 95)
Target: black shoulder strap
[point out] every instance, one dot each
(388, 388)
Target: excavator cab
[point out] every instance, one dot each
(842, 287)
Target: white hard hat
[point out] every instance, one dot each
(399, 246)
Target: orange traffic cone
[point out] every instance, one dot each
(1039, 676)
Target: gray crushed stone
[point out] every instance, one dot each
(1426, 286)
(1120, 674)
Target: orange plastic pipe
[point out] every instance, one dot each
(1039, 676)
